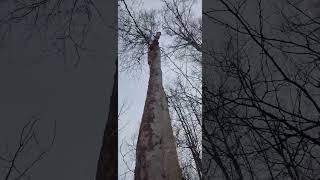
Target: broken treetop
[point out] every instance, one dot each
(155, 42)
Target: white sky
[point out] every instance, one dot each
(132, 93)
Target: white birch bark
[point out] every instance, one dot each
(156, 156)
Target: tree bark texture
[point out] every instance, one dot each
(156, 155)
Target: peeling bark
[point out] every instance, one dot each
(156, 156)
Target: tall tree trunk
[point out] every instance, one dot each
(156, 156)
(107, 164)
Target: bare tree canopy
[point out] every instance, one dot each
(261, 84)
(30, 150)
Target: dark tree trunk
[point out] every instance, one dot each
(108, 160)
